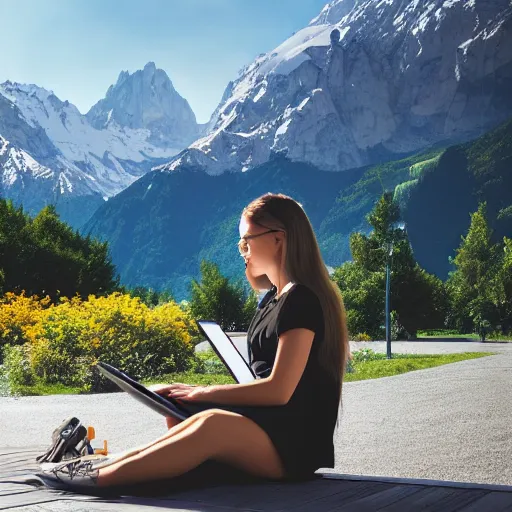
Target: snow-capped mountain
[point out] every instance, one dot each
(147, 100)
(54, 154)
(49, 179)
(367, 80)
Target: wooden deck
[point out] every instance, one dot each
(328, 492)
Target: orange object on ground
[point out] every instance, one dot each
(102, 451)
(91, 433)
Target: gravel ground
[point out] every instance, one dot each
(451, 422)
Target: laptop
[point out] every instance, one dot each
(227, 351)
(223, 347)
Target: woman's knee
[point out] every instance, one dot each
(214, 423)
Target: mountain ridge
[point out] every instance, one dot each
(365, 81)
(92, 163)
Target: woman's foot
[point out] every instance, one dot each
(95, 458)
(73, 476)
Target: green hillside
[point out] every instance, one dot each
(161, 227)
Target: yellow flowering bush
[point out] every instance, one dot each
(18, 317)
(362, 336)
(69, 338)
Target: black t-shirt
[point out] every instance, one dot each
(302, 430)
(297, 307)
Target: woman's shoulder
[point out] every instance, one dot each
(299, 307)
(301, 294)
(303, 290)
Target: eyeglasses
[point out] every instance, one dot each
(243, 246)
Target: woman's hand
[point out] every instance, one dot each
(191, 393)
(180, 391)
(165, 389)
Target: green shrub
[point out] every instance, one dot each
(499, 336)
(5, 389)
(17, 367)
(398, 331)
(366, 354)
(211, 364)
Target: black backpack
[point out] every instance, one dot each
(68, 441)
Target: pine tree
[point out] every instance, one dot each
(505, 279)
(472, 285)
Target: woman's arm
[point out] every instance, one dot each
(277, 389)
(259, 392)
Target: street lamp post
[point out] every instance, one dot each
(389, 253)
(388, 286)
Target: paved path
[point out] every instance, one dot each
(434, 346)
(425, 346)
(451, 422)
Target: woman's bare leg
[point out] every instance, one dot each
(215, 434)
(178, 426)
(172, 422)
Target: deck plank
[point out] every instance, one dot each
(437, 499)
(379, 500)
(345, 495)
(494, 501)
(272, 497)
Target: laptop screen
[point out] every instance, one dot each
(227, 351)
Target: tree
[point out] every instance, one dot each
(44, 256)
(363, 297)
(149, 296)
(505, 280)
(215, 298)
(418, 298)
(15, 245)
(473, 286)
(371, 251)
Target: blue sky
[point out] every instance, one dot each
(77, 48)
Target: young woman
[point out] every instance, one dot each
(281, 425)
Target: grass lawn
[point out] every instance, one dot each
(365, 365)
(192, 378)
(378, 366)
(442, 336)
(40, 389)
(446, 333)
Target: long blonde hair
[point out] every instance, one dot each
(303, 264)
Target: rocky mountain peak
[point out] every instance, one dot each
(150, 67)
(334, 12)
(147, 99)
(366, 81)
